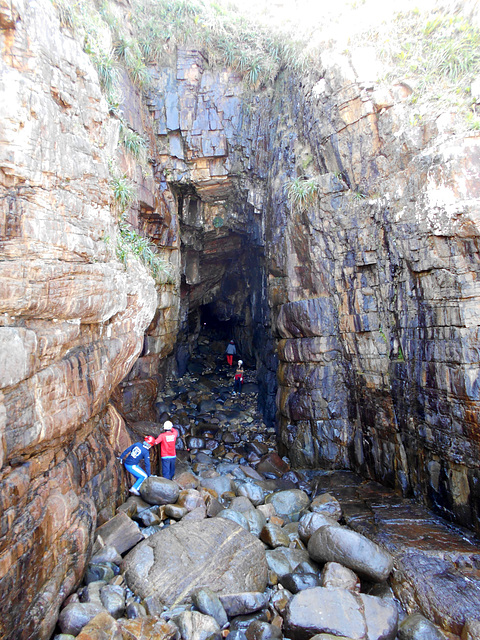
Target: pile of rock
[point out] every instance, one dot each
(226, 549)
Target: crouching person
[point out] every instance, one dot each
(132, 457)
(168, 452)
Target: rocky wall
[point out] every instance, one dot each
(378, 328)
(72, 316)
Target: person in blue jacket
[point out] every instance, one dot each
(131, 458)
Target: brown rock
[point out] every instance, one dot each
(120, 532)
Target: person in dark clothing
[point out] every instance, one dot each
(168, 452)
(230, 351)
(131, 458)
(238, 380)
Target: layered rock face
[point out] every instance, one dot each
(72, 317)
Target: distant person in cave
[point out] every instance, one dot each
(230, 351)
(132, 457)
(168, 453)
(238, 380)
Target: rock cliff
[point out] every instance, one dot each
(362, 299)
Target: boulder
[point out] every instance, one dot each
(256, 521)
(113, 599)
(120, 532)
(336, 576)
(274, 536)
(194, 625)
(243, 603)
(340, 613)
(352, 549)
(208, 602)
(290, 504)
(312, 521)
(102, 627)
(252, 491)
(75, 616)
(272, 463)
(219, 484)
(282, 560)
(215, 553)
(259, 630)
(156, 490)
(234, 516)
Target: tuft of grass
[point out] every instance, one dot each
(302, 192)
(124, 192)
(66, 13)
(134, 143)
(130, 242)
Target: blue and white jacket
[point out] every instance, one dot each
(134, 454)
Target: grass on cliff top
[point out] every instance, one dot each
(437, 53)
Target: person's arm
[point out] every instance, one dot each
(125, 453)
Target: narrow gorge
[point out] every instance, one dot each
(313, 217)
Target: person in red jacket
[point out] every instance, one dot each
(168, 453)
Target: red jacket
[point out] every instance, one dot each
(167, 441)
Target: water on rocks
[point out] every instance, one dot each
(240, 545)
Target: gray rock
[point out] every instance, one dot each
(63, 636)
(312, 521)
(259, 630)
(290, 504)
(340, 613)
(120, 532)
(241, 504)
(243, 622)
(300, 580)
(235, 516)
(96, 572)
(327, 505)
(107, 554)
(156, 490)
(175, 511)
(208, 602)
(282, 560)
(219, 484)
(243, 603)
(194, 625)
(215, 553)
(74, 617)
(148, 518)
(256, 521)
(336, 576)
(339, 544)
(91, 593)
(252, 491)
(134, 610)
(113, 599)
(417, 627)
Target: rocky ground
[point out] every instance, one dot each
(241, 545)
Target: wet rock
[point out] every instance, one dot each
(187, 480)
(417, 627)
(175, 511)
(283, 560)
(279, 600)
(113, 599)
(251, 473)
(156, 490)
(91, 593)
(208, 602)
(252, 491)
(120, 532)
(312, 521)
(256, 521)
(274, 536)
(471, 630)
(214, 553)
(290, 504)
(259, 630)
(336, 576)
(302, 578)
(235, 516)
(97, 572)
(273, 464)
(241, 623)
(194, 625)
(193, 442)
(341, 613)
(148, 518)
(243, 603)
(327, 505)
(74, 617)
(338, 544)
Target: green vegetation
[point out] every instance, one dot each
(438, 55)
(124, 192)
(130, 242)
(302, 192)
(134, 143)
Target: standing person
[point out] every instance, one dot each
(168, 452)
(238, 381)
(230, 351)
(133, 455)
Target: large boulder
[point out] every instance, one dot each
(290, 504)
(216, 553)
(347, 547)
(341, 613)
(156, 490)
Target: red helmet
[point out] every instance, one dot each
(150, 440)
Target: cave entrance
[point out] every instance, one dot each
(217, 328)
